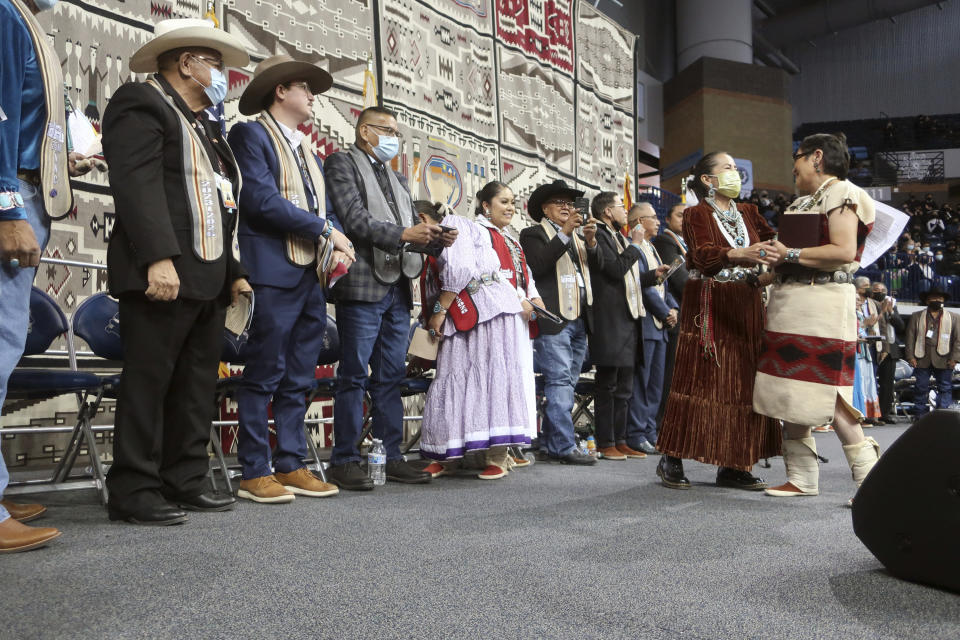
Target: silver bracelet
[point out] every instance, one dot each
(793, 255)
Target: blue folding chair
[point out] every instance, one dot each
(47, 323)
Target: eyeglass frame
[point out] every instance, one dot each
(798, 155)
(219, 66)
(563, 204)
(390, 132)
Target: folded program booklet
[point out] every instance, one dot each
(240, 314)
(422, 346)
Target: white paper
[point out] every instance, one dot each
(83, 135)
(240, 315)
(887, 228)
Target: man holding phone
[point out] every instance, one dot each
(558, 259)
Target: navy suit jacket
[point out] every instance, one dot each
(266, 216)
(656, 306)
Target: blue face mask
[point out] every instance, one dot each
(387, 148)
(44, 5)
(217, 90)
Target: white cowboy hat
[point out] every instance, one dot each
(276, 70)
(188, 32)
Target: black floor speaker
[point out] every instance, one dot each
(907, 512)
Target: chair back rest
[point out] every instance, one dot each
(330, 351)
(97, 321)
(47, 322)
(233, 348)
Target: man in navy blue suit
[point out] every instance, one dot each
(284, 215)
(662, 312)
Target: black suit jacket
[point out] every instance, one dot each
(142, 144)
(615, 334)
(542, 255)
(668, 249)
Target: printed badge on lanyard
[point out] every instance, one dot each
(225, 187)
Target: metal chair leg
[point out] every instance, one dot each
(312, 446)
(222, 461)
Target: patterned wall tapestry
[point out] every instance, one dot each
(525, 91)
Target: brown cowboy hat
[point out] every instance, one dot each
(546, 191)
(188, 32)
(280, 70)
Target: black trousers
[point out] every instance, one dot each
(611, 403)
(885, 375)
(672, 336)
(165, 404)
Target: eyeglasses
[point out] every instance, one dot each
(386, 130)
(563, 204)
(799, 155)
(299, 85)
(216, 64)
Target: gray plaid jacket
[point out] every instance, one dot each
(345, 188)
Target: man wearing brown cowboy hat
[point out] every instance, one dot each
(932, 347)
(284, 214)
(172, 264)
(558, 258)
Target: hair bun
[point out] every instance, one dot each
(841, 136)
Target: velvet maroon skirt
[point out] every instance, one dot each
(709, 415)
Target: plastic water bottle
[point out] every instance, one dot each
(592, 446)
(377, 463)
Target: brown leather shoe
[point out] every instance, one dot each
(16, 536)
(23, 512)
(630, 453)
(264, 489)
(611, 453)
(304, 483)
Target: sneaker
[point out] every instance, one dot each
(264, 489)
(492, 472)
(630, 453)
(304, 483)
(611, 453)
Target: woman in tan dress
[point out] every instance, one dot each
(805, 375)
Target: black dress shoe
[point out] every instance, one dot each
(158, 515)
(670, 470)
(577, 457)
(349, 476)
(403, 471)
(727, 477)
(206, 502)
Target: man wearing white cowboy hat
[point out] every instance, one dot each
(285, 213)
(172, 263)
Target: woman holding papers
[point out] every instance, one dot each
(709, 415)
(805, 376)
(478, 400)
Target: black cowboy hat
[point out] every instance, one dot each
(933, 290)
(546, 191)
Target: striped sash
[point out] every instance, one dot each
(567, 288)
(200, 185)
(301, 250)
(54, 178)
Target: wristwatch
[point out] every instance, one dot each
(439, 308)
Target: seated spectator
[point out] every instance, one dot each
(934, 224)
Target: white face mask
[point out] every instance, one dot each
(44, 5)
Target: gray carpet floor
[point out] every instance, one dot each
(548, 552)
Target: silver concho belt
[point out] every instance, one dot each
(729, 274)
(815, 277)
(485, 279)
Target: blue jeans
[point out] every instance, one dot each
(647, 393)
(944, 378)
(15, 307)
(559, 358)
(374, 334)
(286, 337)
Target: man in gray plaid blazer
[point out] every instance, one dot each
(373, 299)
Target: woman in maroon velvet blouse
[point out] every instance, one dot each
(709, 415)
